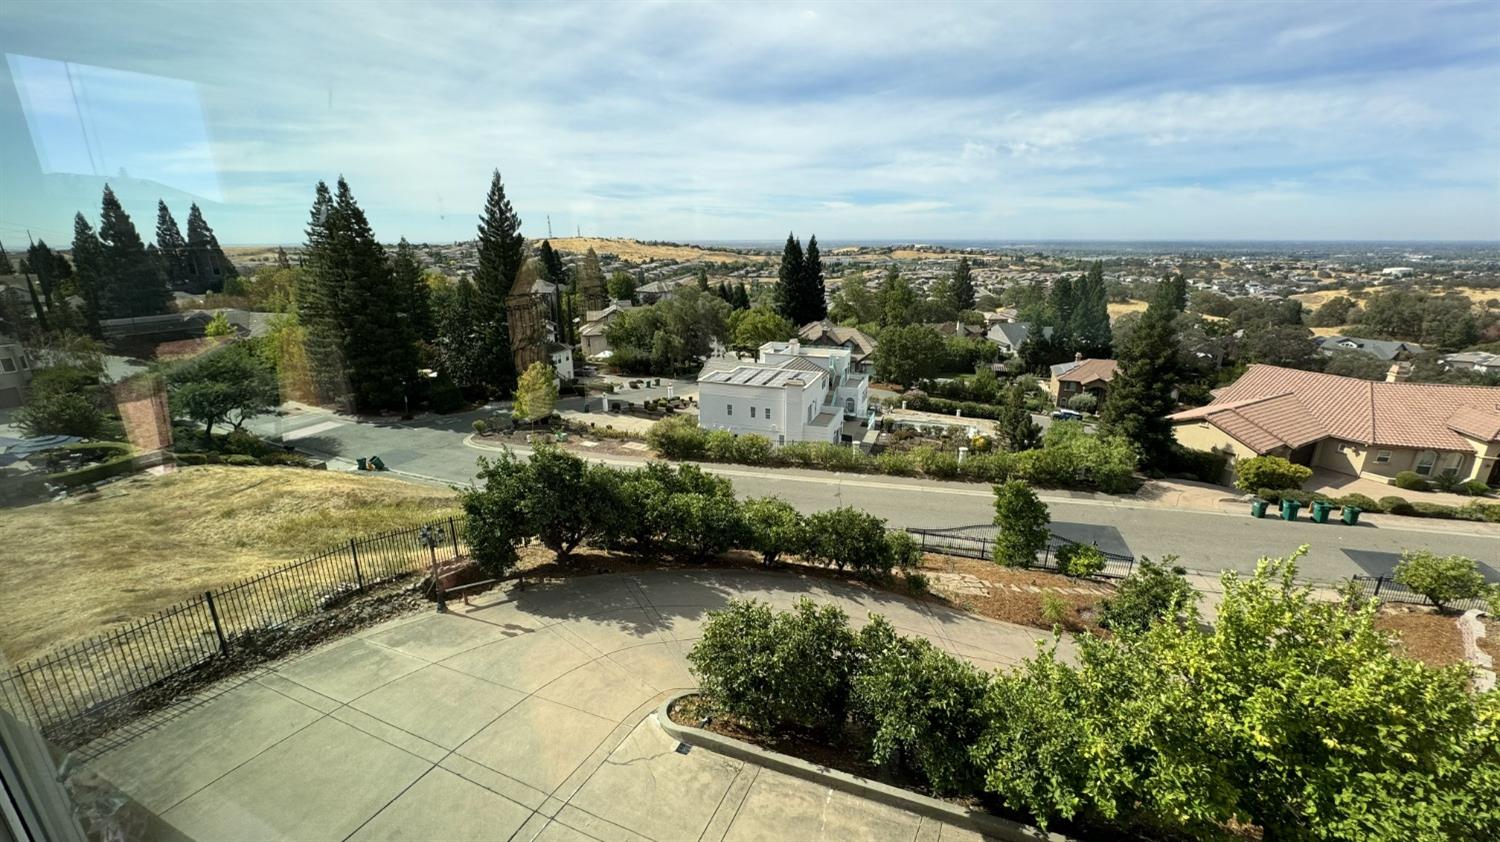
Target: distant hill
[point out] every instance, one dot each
(636, 251)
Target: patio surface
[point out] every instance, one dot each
(527, 717)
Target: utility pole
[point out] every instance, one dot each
(549, 226)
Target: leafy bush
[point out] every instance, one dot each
(678, 437)
(1084, 402)
(1152, 591)
(1438, 510)
(1269, 472)
(921, 706)
(241, 442)
(1202, 465)
(1054, 609)
(989, 467)
(496, 515)
(1411, 481)
(774, 670)
(752, 449)
(1442, 579)
(897, 463)
(1475, 488)
(480, 428)
(1080, 559)
(917, 583)
(241, 460)
(1360, 501)
(295, 460)
(719, 445)
(1023, 520)
(773, 528)
(1447, 482)
(902, 551)
(1070, 458)
(116, 459)
(444, 396)
(849, 538)
(1396, 506)
(702, 526)
(935, 463)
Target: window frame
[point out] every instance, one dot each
(1427, 469)
(1382, 457)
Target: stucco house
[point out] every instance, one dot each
(1081, 376)
(15, 372)
(789, 393)
(826, 334)
(1351, 426)
(591, 334)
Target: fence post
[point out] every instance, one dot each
(208, 597)
(924, 541)
(453, 537)
(359, 576)
(1379, 580)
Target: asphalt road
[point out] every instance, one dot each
(434, 450)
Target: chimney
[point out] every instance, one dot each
(1077, 356)
(1398, 373)
(794, 346)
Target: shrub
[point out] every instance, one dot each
(480, 428)
(836, 457)
(1447, 482)
(444, 396)
(295, 460)
(902, 551)
(1023, 520)
(1084, 402)
(1475, 488)
(118, 460)
(240, 459)
(989, 467)
(1438, 510)
(1202, 465)
(1442, 579)
(1070, 458)
(752, 449)
(1054, 609)
(799, 453)
(773, 528)
(849, 538)
(917, 583)
(1269, 472)
(774, 670)
(936, 463)
(1411, 481)
(678, 437)
(1396, 506)
(1360, 501)
(921, 706)
(496, 513)
(1080, 559)
(702, 526)
(896, 463)
(241, 442)
(719, 445)
(1153, 591)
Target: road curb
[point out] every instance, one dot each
(983, 823)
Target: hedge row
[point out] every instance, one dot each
(1068, 458)
(120, 460)
(295, 460)
(1391, 505)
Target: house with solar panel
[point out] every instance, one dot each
(790, 392)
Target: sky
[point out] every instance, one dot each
(695, 122)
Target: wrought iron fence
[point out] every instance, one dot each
(108, 673)
(968, 542)
(1387, 589)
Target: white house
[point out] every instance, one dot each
(790, 393)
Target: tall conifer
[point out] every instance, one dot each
(1141, 395)
(790, 280)
(88, 268)
(212, 267)
(502, 251)
(137, 288)
(171, 248)
(814, 295)
(963, 285)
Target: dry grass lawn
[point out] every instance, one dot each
(1314, 300)
(637, 252)
(74, 568)
(1118, 308)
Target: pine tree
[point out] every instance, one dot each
(1090, 323)
(281, 259)
(591, 284)
(1176, 292)
(702, 277)
(790, 280)
(211, 268)
(44, 264)
(171, 248)
(552, 265)
(1014, 420)
(814, 295)
(136, 288)
(411, 285)
(1060, 304)
(1141, 395)
(320, 300)
(379, 346)
(5, 266)
(502, 251)
(963, 285)
(459, 336)
(88, 272)
(896, 299)
(741, 297)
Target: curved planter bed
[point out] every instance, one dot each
(933, 808)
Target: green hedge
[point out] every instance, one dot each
(120, 461)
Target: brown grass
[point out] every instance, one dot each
(75, 568)
(1314, 300)
(638, 252)
(1120, 308)
(1011, 597)
(1422, 633)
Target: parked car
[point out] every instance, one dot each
(1066, 415)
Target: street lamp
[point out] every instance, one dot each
(431, 536)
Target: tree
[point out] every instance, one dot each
(791, 281)
(51, 270)
(963, 286)
(1141, 395)
(1014, 421)
(5, 266)
(848, 538)
(496, 513)
(211, 267)
(854, 303)
(591, 285)
(502, 251)
(552, 265)
(1347, 363)
(1334, 312)
(1154, 591)
(1288, 346)
(813, 300)
(1089, 324)
(1084, 402)
(460, 350)
(1061, 302)
(774, 528)
(536, 393)
(1023, 522)
(412, 291)
(227, 386)
(87, 268)
(133, 283)
(1442, 579)
(621, 286)
(1174, 287)
(565, 500)
(700, 276)
(171, 248)
(218, 326)
(895, 299)
(757, 326)
(741, 297)
(908, 353)
(63, 400)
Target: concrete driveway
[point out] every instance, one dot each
(525, 718)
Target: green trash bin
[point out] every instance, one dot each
(1351, 515)
(1320, 510)
(363, 465)
(1258, 508)
(1289, 509)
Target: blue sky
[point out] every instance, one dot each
(694, 121)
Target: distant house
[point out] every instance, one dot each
(957, 328)
(591, 334)
(1010, 336)
(1081, 376)
(561, 357)
(826, 334)
(1480, 361)
(1351, 426)
(1000, 316)
(1381, 349)
(790, 393)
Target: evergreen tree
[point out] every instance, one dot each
(44, 265)
(790, 280)
(702, 277)
(896, 299)
(963, 286)
(88, 262)
(459, 334)
(320, 299)
(1090, 323)
(36, 301)
(171, 248)
(1060, 305)
(591, 285)
(136, 287)
(1176, 292)
(281, 259)
(814, 295)
(5, 267)
(411, 285)
(211, 268)
(724, 294)
(502, 252)
(552, 265)
(1014, 420)
(741, 297)
(1141, 395)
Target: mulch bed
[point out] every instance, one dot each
(1023, 607)
(1423, 634)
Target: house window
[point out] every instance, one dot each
(768, 413)
(728, 409)
(7, 363)
(752, 412)
(1382, 457)
(1451, 463)
(1425, 460)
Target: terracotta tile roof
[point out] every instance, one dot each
(1089, 371)
(1270, 406)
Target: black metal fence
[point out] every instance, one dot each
(103, 674)
(1387, 589)
(979, 542)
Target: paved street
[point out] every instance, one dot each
(528, 718)
(1205, 540)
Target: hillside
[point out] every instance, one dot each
(635, 251)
